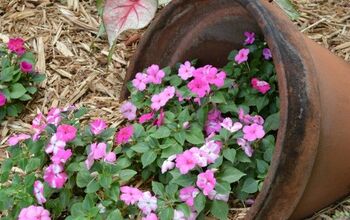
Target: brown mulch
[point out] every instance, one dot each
(64, 35)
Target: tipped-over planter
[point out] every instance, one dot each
(311, 163)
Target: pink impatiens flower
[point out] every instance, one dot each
(146, 117)
(248, 150)
(200, 156)
(2, 99)
(186, 70)
(212, 149)
(188, 194)
(66, 132)
(212, 124)
(160, 120)
(61, 156)
(213, 195)
(267, 53)
(211, 75)
(89, 161)
(168, 164)
(128, 110)
(206, 182)
(26, 67)
(16, 45)
(151, 216)
(38, 125)
(98, 150)
(155, 75)
(140, 81)
(110, 157)
(124, 134)
(130, 195)
(15, 139)
(55, 145)
(147, 203)
(54, 116)
(55, 176)
(242, 56)
(199, 86)
(97, 126)
(248, 119)
(230, 126)
(250, 37)
(34, 213)
(39, 192)
(158, 101)
(253, 132)
(261, 86)
(185, 162)
(169, 92)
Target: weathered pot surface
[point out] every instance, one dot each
(310, 167)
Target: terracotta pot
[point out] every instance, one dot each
(311, 165)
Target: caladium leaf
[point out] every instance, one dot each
(121, 15)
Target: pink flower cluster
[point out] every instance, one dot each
(99, 151)
(34, 213)
(160, 100)
(261, 86)
(16, 45)
(144, 200)
(153, 75)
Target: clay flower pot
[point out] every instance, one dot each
(311, 163)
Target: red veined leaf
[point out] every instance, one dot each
(121, 15)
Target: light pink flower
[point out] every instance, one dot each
(110, 157)
(130, 195)
(212, 149)
(54, 116)
(242, 56)
(211, 75)
(16, 45)
(168, 164)
(140, 81)
(267, 53)
(219, 79)
(38, 125)
(248, 150)
(39, 192)
(97, 126)
(158, 101)
(26, 67)
(185, 162)
(188, 194)
(128, 110)
(179, 215)
(61, 156)
(186, 125)
(55, 145)
(169, 92)
(66, 132)
(248, 119)
(186, 70)
(124, 134)
(206, 181)
(199, 86)
(147, 203)
(200, 156)
(160, 120)
(261, 86)
(155, 75)
(230, 126)
(89, 161)
(2, 99)
(98, 150)
(253, 132)
(55, 176)
(250, 37)
(34, 213)
(213, 195)
(146, 117)
(15, 139)
(212, 124)
(151, 216)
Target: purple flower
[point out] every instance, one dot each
(128, 110)
(250, 37)
(267, 53)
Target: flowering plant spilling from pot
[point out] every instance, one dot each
(18, 78)
(194, 138)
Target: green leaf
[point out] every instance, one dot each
(180, 137)
(17, 90)
(195, 136)
(31, 89)
(25, 97)
(158, 188)
(81, 112)
(272, 122)
(6, 167)
(218, 97)
(176, 149)
(92, 187)
(184, 116)
(140, 147)
(219, 209)
(33, 164)
(171, 189)
(37, 78)
(250, 185)
(77, 210)
(115, 215)
(148, 158)
(288, 8)
(199, 202)
(83, 178)
(223, 187)
(162, 132)
(166, 214)
(183, 207)
(127, 174)
(262, 166)
(231, 174)
(230, 154)
(138, 130)
(105, 180)
(184, 180)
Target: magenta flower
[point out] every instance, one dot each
(151, 216)
(98, 150)
(155, 75)
(39, 192)
(16, 45)
(188, 194)
(61, 156)
(66, 132)
(128, 110)
(55, 145)
(26, 67)
(147, 203)
(212, 149)
(219, 79)
(34, 213)
(158, 101)
(55, 176)
(2, 99)
(15, 139)
(185, 162)
(160, 120)
(261, 86)
(97, 126)
(206, 181)
(211, 75)
(130, 195)
(228, 124)
(146, 117)
(248, 150)
(199, 86)
(253, 132)
(186, 70)
(124, 134)
(242, 56)
(110, 157)
(140, 81)
(250, 37)
(54, 116)
(267, 53)
(168, 164)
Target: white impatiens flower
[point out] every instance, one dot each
(230, 126)
(147, 203)
(168, 164)
(179, 215)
